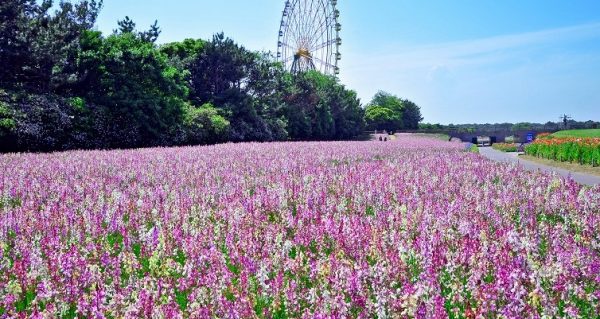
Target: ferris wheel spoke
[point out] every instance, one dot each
(321, 46)
(317, 22)
(292, 29)
(302, 27)
(299, 15)
(320, 39)
(321, 29)
(312, 15)
(323, 62)
(307, 9)
(294, 20)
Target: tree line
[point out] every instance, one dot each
(65, 85)
(521, 126)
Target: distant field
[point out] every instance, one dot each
(578, 133)
(443, 137)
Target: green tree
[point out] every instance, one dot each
(522, 126)
(319, 108)
(183, 54)
(387, 100)
(406, 114)
(16, 19)
(347, 113)
(411, 115)
(382, 118)
(220, 71)
(267, 83)
(38, 49)
(141, 94)
(128, 26)
(239, 82)
(384, 112)
(314, 114)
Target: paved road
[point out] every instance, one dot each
(498, 156)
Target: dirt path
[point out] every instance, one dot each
(582, 178)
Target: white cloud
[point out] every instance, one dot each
(471, 51)
(529, 67)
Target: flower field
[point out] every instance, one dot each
(414, 228)
(567, 149)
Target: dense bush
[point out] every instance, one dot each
(41, 122)
(204, 125)
(574, 150)
(7, 124)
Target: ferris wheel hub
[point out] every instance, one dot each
(303, 53)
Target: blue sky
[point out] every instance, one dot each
(462, 61)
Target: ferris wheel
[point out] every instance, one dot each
(309, 36)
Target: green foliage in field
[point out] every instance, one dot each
(382, 118)
(441, 137)
(506, 147)
(578, 133)
(7, 122)
(391, 113)
(205, 124)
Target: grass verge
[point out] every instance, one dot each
(586, 169)
(443, 137)
(506, 147)
(578, 133)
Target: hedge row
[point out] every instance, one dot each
(575, 150)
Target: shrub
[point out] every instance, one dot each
(506, 147)
(204, 125)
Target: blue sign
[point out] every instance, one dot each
(530, 137)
